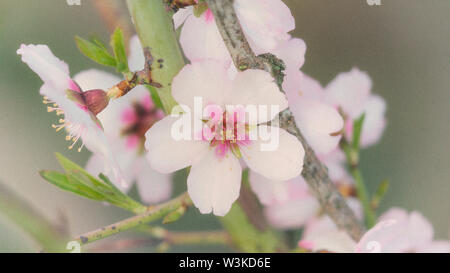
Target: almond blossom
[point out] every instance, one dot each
(397, 231)
(125, 123)
(320, 122)
(289, 204)
(351, 93)
(265, 23)
(215, 174)
(76, 108)
(400, 231)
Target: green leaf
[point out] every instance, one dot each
(63, 182)
(79, 181)
(379, 194)
(357, 129)
(118, 46)
(95, 52)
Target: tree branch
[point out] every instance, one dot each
(314, 172)
(153, 213)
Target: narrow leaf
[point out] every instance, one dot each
(357, 129)
(95, 52)
(118, 46)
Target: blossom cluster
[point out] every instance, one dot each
(131, 139)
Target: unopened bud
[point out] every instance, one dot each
(95, 100)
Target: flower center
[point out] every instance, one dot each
(136, 121)
(226, 132)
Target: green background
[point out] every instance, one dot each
(403, 44)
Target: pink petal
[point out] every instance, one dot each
(166, 154)
(214, 184)
(283, 162)
(153, 186)
(350, 91)
(265, 22)
(50, 69)
(200, 39)
(207, 80)
(257, 88)
(292, 52)
(319, 123)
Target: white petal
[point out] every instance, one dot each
(50, 69)
(181, 15)
(214, 183)
(95, 79)
(292, 52)
(166, 154)
(292, 214)
(257, 88)
(200, 39)
(283, 163)
(268, 191)
(319, 123)
(153, 186)
(350, 91)
(136, 59)
(265, 22)
(322, 234)
(374, 121)
(206, 80)
(97, 164)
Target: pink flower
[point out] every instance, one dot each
(289, 204)
(215, 174)
(265, 23)
(322, 234)
(125, 122)
(350, 92)
(69, 101)
(320, 122)
(397, 231)
(400, 231)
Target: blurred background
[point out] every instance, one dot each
(404, 45)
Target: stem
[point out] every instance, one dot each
(363, 197)
(153, 213)
(314, 172)
(155, 29)
(352, 157)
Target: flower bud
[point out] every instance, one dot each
(95, 100)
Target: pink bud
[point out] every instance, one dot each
(95, 100)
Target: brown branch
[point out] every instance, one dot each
(142, 77)
(314, 172)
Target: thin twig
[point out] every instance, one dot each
(314, 172)
(153, 213)
(142, 77)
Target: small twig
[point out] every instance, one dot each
(153, 213)
(143, 77)
(175, 5)
(314, 172)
